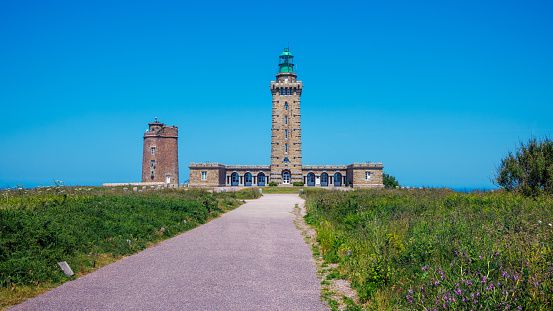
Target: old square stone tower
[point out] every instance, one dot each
(286, 126)
(286, 166)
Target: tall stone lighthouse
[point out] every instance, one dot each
(286, 167)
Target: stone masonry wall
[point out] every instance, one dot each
(357, 175)
(165, 141)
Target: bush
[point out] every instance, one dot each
(389, 181)
(273, 184)
(298, 183)
(528, 171)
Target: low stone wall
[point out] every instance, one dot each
(134, 184)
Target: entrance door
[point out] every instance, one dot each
(168, 179)
(311, 180)
(261, 180)
(324, 180)
(337, 180)
(248, 179)
(286, 177)
(234, 179)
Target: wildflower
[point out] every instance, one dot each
(500, 267)
(470, 260)
(424, 268)
(536, 284)
(452, 264)
(410, 291)
(484, 279)
(539, 221)
(457, 292)
(526, 264)
(515, 277)
(436, 283)
(505, 275)
(480, 257)
(550, 225)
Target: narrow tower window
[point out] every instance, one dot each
(285, 147)
(285, 106)
(285, 119)
(153, 150)
(285, 133)
(204, 175)
(153, 164)
(367, 175)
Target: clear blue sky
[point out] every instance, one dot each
(437, 91)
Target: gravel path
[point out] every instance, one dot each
(252, 258)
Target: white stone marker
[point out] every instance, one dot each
(65, 267)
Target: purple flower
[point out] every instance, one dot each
(536, 284)
(480, 257)
(410, 291)
(505, 275)
(436, 283)
(452, 264)
(424, 268)
(484, 279)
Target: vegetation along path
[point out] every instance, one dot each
(252, 258)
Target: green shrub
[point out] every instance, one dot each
(389, 181)
(273, 184)
(298, 183)
(529, 170)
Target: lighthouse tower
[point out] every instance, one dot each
(286, 167)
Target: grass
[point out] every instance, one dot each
(436, 249)
(90, 227)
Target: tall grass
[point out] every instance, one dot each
(436, 249)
